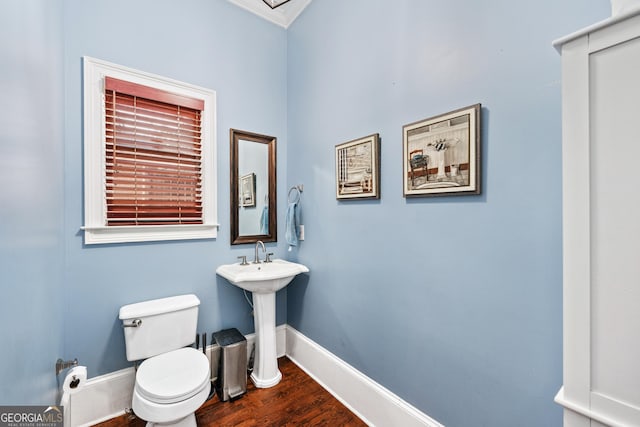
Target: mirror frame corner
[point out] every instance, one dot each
(235, 136)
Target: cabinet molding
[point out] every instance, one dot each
(601, 223)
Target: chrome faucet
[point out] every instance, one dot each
(256, 260)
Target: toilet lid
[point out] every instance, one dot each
(174, 376)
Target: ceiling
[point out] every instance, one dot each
(283, 15)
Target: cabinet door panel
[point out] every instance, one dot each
(614, 102)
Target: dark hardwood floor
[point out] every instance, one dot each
(297, 401)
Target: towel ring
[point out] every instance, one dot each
(296, 196)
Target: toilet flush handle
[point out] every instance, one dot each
(134, 324)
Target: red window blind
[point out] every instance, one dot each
(153, 155)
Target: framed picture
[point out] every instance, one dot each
(441, 155)
(358, 169)
(248, 190)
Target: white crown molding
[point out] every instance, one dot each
(283, 15)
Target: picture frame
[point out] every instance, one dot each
(247, 188)
(441, 154)
(358, 168)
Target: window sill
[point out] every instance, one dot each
(149, 233)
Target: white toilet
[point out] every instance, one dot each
(174, 380)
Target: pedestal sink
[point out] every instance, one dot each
(263, 280)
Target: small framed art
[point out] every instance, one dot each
(358, 168)
(248, 190)
(441, 154)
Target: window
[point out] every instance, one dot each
(149, 157)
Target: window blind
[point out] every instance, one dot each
(153, 156)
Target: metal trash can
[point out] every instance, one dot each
(232, 367)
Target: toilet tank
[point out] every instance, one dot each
(163, 325)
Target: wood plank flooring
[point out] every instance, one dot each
(297, 401)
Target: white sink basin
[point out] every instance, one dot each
(262, 278)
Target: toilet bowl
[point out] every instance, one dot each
(170, 387)
(173, 381)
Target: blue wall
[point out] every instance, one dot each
(31, 200)
(207, 43)
(61, 298)
(452, 303)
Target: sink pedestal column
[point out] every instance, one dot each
(265, 366)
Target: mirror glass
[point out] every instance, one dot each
(253, 187)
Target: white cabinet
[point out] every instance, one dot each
(601, 223)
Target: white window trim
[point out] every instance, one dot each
(95, 229)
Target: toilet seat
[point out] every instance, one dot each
(173, 377)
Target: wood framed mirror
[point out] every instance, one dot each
(253, 187)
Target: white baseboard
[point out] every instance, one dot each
(109, 396)
(370, 401)
(101, 399)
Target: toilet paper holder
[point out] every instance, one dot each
(65, 364)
